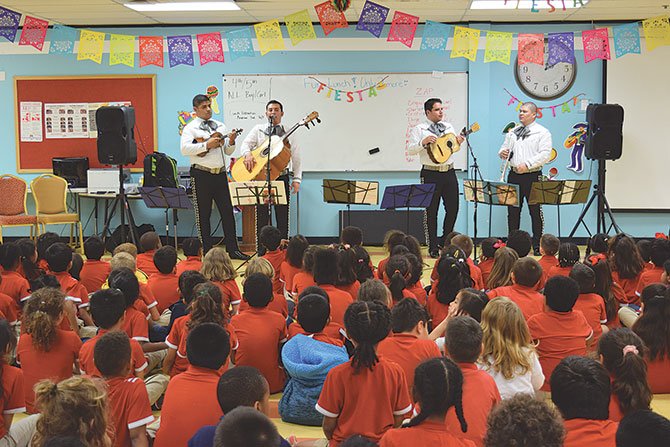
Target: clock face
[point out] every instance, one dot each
(544, 82)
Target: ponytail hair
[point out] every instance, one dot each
(603, 285)
(40, 313)
(367, 323)
(362, 268)
(206, 306)
(624, 256)
(623, 357)
(399, 271)
(438, 386)
(453, 276)
(653, 326)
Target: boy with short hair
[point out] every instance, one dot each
(642, 428)
(464, 242)
(525, 275)
(559, 330)
(260, 332)
(128, 402)
(580, 389)
(353, 236)
(44, 241)
(270, 240)
(164, 284)
(549, 245)
(463, 340)
(409, 345)
(149, 243)
(59, 259)
(660, 252)
(235, 430)
(520, 241)
(191, 399)
(589, 303)
(94, 273)
(193, 252)
(148, 304)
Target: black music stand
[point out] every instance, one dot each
(559, 192)
(491, 193)
(350, 192)
(168, 199)
(408, 196)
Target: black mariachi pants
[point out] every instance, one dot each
(525, 182)
(280, 213)
(446, 188)
(208, 187)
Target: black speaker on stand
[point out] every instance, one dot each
(604, 141)
(116, 146)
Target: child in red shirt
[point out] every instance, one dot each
(364, 269)
(580, 389)
(12, 386)
(465, 243)
(94, 273)
(28, 267)
(488, 251)
(409, 344)
(182, 414)
(568, 256)
(295, 250)
(270, 240)
(398, 270)
(193, 252)
(589, 303)
(523, 291)
(392, 238)
(278, 303)
(368, 394)
(622, 355)
(326, 272)
(127, 398)
(428, 427)
(501, 272)
(164, 284)
(44, 241)
(218, 268)
(149, 243)
(260, 332)
(59, 258)
(304, 278)
(347, 279)
(12, 283)
(45, 351)
(463, 341)
(453, 276)
(627, 267)
(660, 252)
(559, 331)
(549, 245)
(332, 333)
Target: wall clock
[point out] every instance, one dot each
(545, 82)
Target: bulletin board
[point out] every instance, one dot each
(35, 156)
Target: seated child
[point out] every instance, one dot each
(375, 290)
(660, 253)
(8, 308)
(326, 272)
(488, 251)
(127, 399)
(94, 273)
(193, 252)
(643, 428)
(469, 302)
(207, 349)
(149, 243)
(627, 267)
(480, 393)
(398, 270)
(589, 303)
(559, 331)
(414, 285)
(307, 360)
(352, 236)
(580, 389)
(304, 278)
(364, 269)
(568, 256)
(260, 332)
(409, 344)
(28, 267)
(652, 327)
(278, 302)
(147, 303)
(465, 243)
(346, 411)
(347, 279)
(438, 388)
(164, 284)
(501, 272)
(44, 241)
(187, 282)
(77, 265)
(59, 259)
(549, 245)
(453, 276)
(292, 265)
(332, 332)
(270, 241)
(13, 284)
(521, 242)
(392, 238)
(597, 247)
(218, 268)
(526, 273)
(233, 431)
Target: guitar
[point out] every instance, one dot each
(441, 150)
(280, 154)
(214, 135)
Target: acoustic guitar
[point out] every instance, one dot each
(214, 135)
(279, 150)
(441, 150)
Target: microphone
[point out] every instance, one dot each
(271, 119)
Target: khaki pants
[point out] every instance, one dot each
(164, 319)
(628, 316)
(20, 433)
(156, 385)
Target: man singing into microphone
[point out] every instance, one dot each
(274, 111)
(529, 148)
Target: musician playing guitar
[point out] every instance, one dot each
(205, 142)
(274, 111)
(441, 174)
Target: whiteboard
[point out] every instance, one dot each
(640, 84)
(354, 119)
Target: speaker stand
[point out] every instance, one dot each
(121, 202)
(602, 210)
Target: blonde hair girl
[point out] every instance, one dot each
(217, 267)
(503, 262)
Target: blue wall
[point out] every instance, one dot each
(487, 105)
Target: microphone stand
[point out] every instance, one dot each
(477, 175)
(268, 176)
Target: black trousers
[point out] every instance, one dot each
(280, 213)
(446, 189)
(525, 182)
(208, 188)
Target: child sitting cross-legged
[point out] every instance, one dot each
(333, 331)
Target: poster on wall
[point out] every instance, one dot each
(67, 120)
(31, 121)
(92, 107)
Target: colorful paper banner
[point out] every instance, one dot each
(656, 32)
(498, 47)
(561, 48)
(329, 18)
(531, 49)
(349, 95)
(62, 39)
(596, 44)
(435, 36)
(180, 50)
(240, 43)
(466, 41)
(210, 47)
(34, 32)
(299, 26)
(403, 28)
(565, 106)
(121, 50)
(269, 36)
(151, 51)
(626, 39)
(91, 44)
(9, 23)
(372, 19)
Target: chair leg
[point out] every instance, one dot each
(1, 241)
(81, 238)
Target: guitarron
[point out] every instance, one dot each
(446, 145)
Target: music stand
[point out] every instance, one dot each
(350, 192)
(408, 196)
(559, 192)
(168, 199)
(491, 193)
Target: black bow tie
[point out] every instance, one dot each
(522, 132)
(275, 130)
(437, 128)
(208, 125)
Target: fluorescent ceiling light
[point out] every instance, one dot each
(183, 6)
(526, 4)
